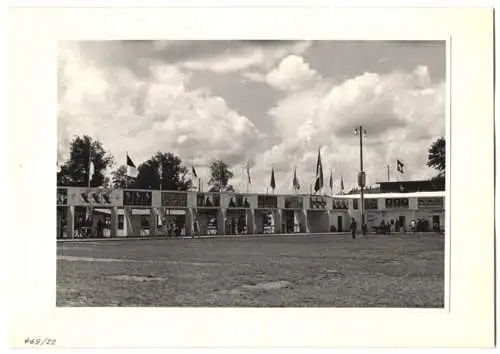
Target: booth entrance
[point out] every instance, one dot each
(319, 221)
(264, 221)
(171, 222)
(291, 221)
(206, 220)
(339, 223)
(236, 222)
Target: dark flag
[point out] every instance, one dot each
(194, 172)
(273, 182)
(131, 169)
(400, 167)
(342, 184)
(295, 183)
(319, 174)
(331, 180)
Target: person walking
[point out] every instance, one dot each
(353, 228)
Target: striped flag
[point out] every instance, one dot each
(131, 169)
(400, 166)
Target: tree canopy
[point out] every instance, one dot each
(119, 177)
(173, 175)
(437, 156)
(220, 174)
(75, 172)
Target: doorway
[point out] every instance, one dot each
(402, 222)
(436, 223)
(339, 223)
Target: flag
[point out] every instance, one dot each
(273, 182)
(91, 169)
(248, 173)
(131, 169)
(331, 180)
(400, 166)
(342, 184)
(319, 174)
(295, 183)
(194, 172)
(58, 167)
(160, 170)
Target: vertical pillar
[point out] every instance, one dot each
(127, 222)
(325, 221)
(114, 222)
(70, 221)
(188, 226)
(278, 227)
(331, 220)
(304, 222)
(251, 222)
(221, 221)
(153, 222)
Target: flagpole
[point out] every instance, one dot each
(126, 170)
(161, 173)
(248, 169)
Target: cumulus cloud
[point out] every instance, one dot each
(145, 105)
(246, 58)
(291, 74)
(142, 116)
(403, 114)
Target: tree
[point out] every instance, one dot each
(75, 172)
(172, 178)
(220, 174)
(437, 156)
(119, 177)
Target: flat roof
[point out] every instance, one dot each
(393, 195)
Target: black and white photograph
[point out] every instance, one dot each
(251, 177)
(251, 173)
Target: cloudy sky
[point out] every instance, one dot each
(274, 103)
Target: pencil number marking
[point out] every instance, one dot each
(40, 341)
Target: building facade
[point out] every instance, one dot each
(132, 213)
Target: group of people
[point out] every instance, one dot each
(419, 225)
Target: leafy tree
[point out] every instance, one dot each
(437, 156)
(172, 178)
(220, 174)
(75, 172)
(119, 177)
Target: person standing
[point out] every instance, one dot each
(353, 228)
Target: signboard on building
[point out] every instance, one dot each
(340, 204)
(431, 203)
(174, 199)
(101, 197)
(317, 202)
(238, 201)
(371, 204)
(294, 202)
(267, 201)
(137, 198)
(394, 203)
(206, 200)
(62, 196)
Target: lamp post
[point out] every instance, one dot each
(361, 176)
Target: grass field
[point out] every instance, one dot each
(268, 271)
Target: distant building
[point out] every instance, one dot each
(434, 185)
